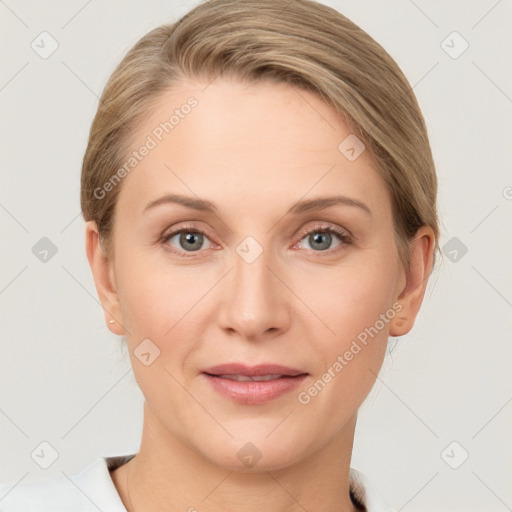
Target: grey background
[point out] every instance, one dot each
(66, 380)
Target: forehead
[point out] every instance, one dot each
(260, 141)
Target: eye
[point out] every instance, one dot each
(320, 238)
(187, 239)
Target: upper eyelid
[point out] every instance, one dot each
(324, 226)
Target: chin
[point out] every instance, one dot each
(262, 455)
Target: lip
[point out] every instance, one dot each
(253, 392)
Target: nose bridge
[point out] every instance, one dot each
(256, 301)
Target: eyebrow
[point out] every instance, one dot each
(302, 206)
(320, 203)
(189, 202)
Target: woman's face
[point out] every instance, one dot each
(242, 269)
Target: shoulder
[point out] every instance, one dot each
(91, 489)
(364, 493)
(39, 496)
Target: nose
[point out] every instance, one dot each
(256, 303)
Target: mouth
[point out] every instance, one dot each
(253, 385)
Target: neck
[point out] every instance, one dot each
(171, 474)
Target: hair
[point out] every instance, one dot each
(302, 43)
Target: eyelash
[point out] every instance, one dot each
(344, 237)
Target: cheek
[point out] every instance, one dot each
(355, 307)
(158, 303)
(146, 304)
(349, 299)
(165, 308)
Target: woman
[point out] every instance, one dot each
(225, 149)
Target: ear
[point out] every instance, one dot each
(103, 274)
(416, 276)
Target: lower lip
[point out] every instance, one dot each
(252, 392)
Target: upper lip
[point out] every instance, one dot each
(252, 371)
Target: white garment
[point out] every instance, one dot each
(92, 490)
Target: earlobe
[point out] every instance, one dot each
(103, 275)
(411, 297)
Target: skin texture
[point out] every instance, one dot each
(253, 150)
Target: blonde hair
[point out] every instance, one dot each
(303, 43)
